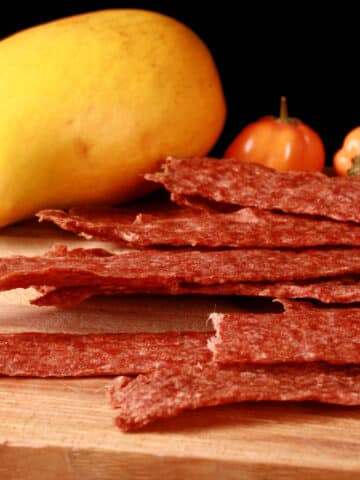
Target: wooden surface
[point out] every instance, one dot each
(63, 429)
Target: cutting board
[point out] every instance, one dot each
(64, 429)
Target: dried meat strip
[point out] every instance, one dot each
(248, 227)
(62, 250)
(154, 269)
(68, 355)
(195, 181)
(333, 290)
(108, 223)
(297, 335)
(167, 392)
(66, 297)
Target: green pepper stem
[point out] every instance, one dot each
(354, 171)
(283, 110)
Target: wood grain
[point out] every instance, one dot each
(63, 429)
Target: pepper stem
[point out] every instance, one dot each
(283, 110)
(354, 171)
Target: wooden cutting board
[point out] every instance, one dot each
(64, 429)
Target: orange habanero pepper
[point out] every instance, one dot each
(346, 160)
(282, 143)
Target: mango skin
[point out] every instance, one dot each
(90, 103)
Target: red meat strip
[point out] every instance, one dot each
(154, 269)
(305, 335)
(332, 290)
(68, 355)
(66, 297)
(110, 224)
(167, 392)
(196, 181)
(249, 227)
(61, 250)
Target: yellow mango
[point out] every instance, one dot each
(90, 103)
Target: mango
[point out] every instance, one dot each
(90, 103)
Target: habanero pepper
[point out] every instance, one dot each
(282, 143)
(346, 160)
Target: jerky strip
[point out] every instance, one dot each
(108, 223)
(332, 290)
(69, 355)
(199, 181)
(167, 392)
(249, 227)
(154, 269)
(305, 335)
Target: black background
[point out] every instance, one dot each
(306, 51)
